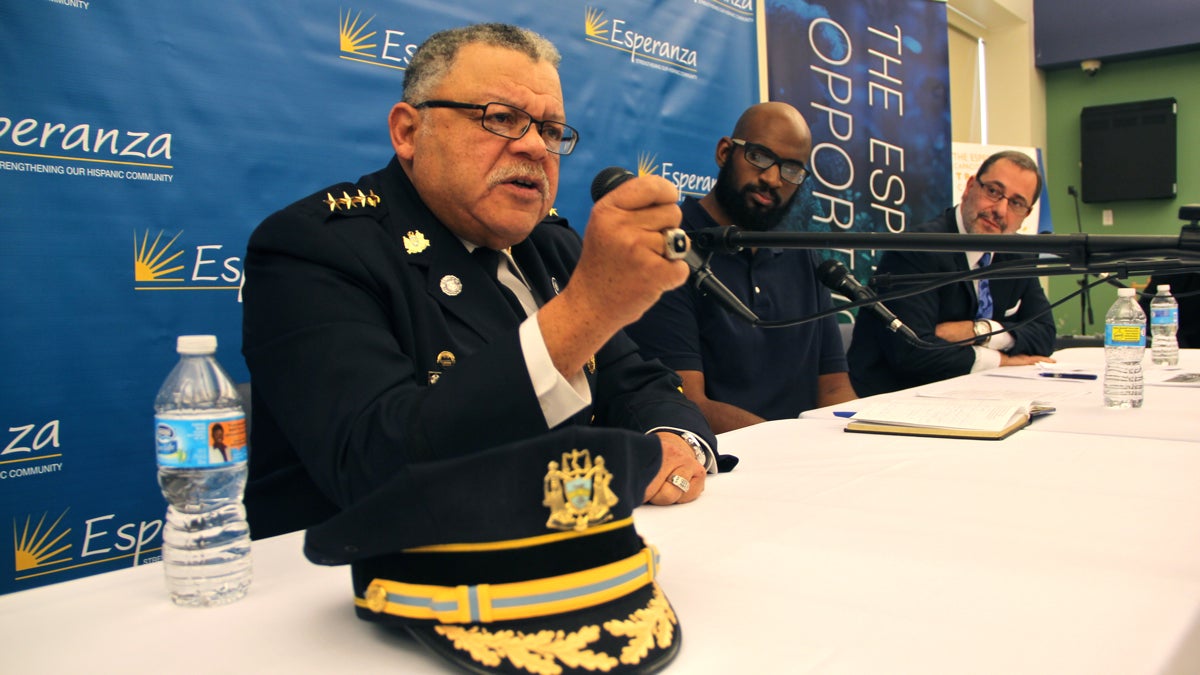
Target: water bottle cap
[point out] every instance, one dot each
(1164, 288)
(1121, 293)
(196, 344)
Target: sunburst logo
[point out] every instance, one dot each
(594, 24)
(152, 262)
(647, 164)
(36, 547)
(353, 35)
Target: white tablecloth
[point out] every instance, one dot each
(823, 552)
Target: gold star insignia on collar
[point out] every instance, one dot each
(348, 201)
(415, 242)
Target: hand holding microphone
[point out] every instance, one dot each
(675, 241)
(677, 246)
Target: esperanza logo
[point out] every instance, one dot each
(161, 266)
(83, 142)
(742, 10)
(356, 43)
(688, 184)
(643, 49)
(43, 546)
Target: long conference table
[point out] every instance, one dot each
(1073, 546)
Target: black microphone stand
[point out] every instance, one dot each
(1085, 296)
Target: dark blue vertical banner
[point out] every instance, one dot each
(872, 79)
(141, 143)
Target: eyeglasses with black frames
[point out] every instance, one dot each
(513, 123)
(763, 158)
(995, 192)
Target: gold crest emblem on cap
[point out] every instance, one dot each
(415, 242)
(578, 492)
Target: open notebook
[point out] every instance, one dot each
(988, 419)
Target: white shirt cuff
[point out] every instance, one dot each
(1000, 342)
(986, 358)
(559, 397)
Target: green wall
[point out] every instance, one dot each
(1068, 91)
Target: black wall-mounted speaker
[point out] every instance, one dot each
(1127, 151)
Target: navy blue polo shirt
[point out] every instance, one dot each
(772, 372)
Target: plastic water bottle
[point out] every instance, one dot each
(200, 429)
(1164, 324)
(1124, 346)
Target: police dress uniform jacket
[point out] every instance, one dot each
(883, 361)
(375, 341)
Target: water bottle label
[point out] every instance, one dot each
(208, 441)
(1125, 335)
(1164, 315)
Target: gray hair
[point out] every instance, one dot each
(436, 55)
(1022, 161)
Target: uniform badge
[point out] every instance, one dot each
(554, 285)
(446, 359)
(578, 492)
(451, 285)
(415, 242)
(591, 365)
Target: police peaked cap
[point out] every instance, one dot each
(518, 559)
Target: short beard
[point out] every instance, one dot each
(736, 205)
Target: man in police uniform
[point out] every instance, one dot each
(376, 338)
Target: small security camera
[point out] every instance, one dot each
(1090, 66)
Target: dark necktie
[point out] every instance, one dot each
(490, 261)
(985, 291)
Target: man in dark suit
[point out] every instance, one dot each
(424, 312)
(995, 201)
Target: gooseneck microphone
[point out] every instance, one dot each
(837, 278)
(702, 277)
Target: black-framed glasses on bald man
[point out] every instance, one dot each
(762, 157)
(513, 123)
(995, 192)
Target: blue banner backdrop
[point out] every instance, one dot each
(140, 143)
(872, 80)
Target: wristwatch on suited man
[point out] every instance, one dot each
(982, 328)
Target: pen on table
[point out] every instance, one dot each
(1070, 376)
(843, 413)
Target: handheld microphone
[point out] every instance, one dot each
(702, 277)
(837, 278)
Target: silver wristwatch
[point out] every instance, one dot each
(697, 447)
(982, 328)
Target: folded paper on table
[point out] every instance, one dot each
(947, 418)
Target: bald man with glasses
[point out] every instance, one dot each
(996, 200)
(739, 374)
